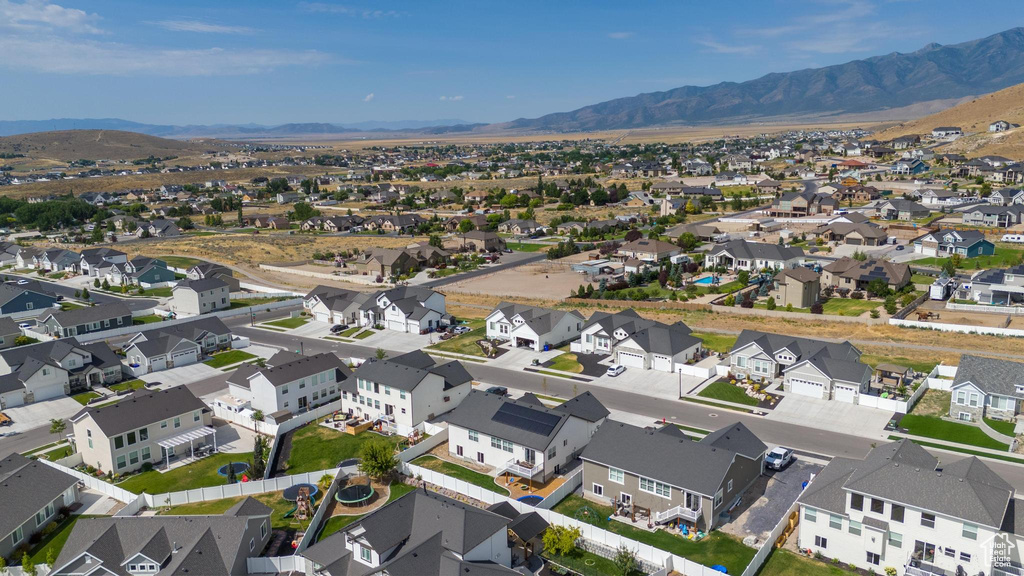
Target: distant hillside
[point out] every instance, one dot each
(13, 127)
(880, 83)
(69, 145)
(973, 117)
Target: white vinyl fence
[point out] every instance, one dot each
(275, 564)
(891, 404)
(235, 490)
(941, 377)
(1012, 310)
(560, 493)
(767, 545)
(961, 328)
(414, 452)
(94, 483)
(315, 525)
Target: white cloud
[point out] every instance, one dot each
(57, 55)
(369, 97)
(451, 98)
(35, 14)
(368, 13)
(723, 48)
(620, 35)
(202, 27)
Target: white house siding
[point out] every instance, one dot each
(570, 439)
(494, 549)
(807, 381)
(591, 341)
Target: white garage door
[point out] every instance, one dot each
(396, 325)
(631, 360)
(158, 364)
(663, 363)
(12, 399)
(323, 316)
(846, 394)
(184, 358)
(806, 388)
(51, 391)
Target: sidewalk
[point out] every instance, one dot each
(960, 449)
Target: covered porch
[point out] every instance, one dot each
(198, 447)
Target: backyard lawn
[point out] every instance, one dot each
(84, 397)
(464, 343)
(315, 448)
(722, 390)
(586, 563)
(455, 471)
(55, 540)
(245, 302)
(289, 322)
(848, 306)
(933, 427)
(566, 362)
(717, 342)
(526, 247)
(1002, 258)
(179, 261)
(918, 365)
(717, 548)
(228, 357)
(273, 500)
(127, 385)
(335, 523)
(148, 319)
(786, 563)
(164, 292)
(199, 474)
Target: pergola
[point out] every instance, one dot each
(187, 437)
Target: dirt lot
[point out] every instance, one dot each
(968, 318)
(545, 280)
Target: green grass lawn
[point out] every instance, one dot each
(335, 523)
(717, 548)
(289, 323)
(364, 334)
(932, 427)
(246, 302)
(464, 343)
(918, 365)
(717, 342)
(526, 247)
(163, 292)
(455, 471)
(199, 474)
(586, 563)
(84, 397)
(70, 306)
(722, 390)
(786, 563)
(1001, 426)
(350, 332)
(179, 261)
(273, 500)
(848, 306)
(921, 279)
(317, 448)
(566, 362)
(127, 385)
(1002, 258)
(55, 541)
(228, 357)
(148, 319)
(58, 453)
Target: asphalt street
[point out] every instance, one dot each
(506, 262)
(69, 292)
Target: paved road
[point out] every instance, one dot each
(507, 262)
(69, 292)
(772, 432)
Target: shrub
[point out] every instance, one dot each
(890, 305)
(875, 314)
(770, 304)
(858, 295)
(817, 308)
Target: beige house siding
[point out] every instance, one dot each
(103, 455)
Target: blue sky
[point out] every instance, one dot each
(222, 61)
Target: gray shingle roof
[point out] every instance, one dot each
(89, 314)
(521, 423)
(201, 285)
(142, 408)
(26, 487)
(664, 339)
(585, 406)
(990, 375)
(756, 250)
(628, 320)
(305, 367)
(665, 457)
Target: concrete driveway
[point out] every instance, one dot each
(518, 358)
(40, 413)
(400, 341)
(830, 415)
(653, 383)
(312, 329)
(181, 375)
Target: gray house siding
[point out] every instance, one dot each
(53, 327)
(27, 301)
(29, 527)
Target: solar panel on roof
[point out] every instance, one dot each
(526, 418)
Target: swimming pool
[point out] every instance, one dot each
(705, 281)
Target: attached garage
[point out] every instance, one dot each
(12, 398)
(323, 317)
(663, 363)
(630, 359)
(398, 325)
(806, 388)
(50, 391)
(846, 393)
(158, 363)
(184, 358)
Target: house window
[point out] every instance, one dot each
(17, 536)
(120, 462)
(598, 490)
(835, 522)
(163, 424)
(728, 487)
(655, 487)
(970, 532)
(474, 436)
(177, 422)
(387, 390)
(855, 528)
(877, 506)
(896, 514)
(810, 515)
(857, 501)
(263, 530)
(145, 453)
(401, 394)
(873, 558)
(143, 434)
(131, 438)
(949, 552)
(895, 540)
(821, 542)
(965, 557)
(928, 520)
(302, 384)
(252, 544)
(118, 442)
(133, 457)
(365, 554)
(552, 452)
(616, 475)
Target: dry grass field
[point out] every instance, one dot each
(68, 145)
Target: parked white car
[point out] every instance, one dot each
(616, 369)
(778, 458)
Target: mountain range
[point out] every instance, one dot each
(893, 86)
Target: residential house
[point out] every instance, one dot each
(752, 256)
(179, 344)
(946, 242)
(808, 367)
(211, 270)
(899, 209)
(94, 258)
(731, 179)
(479, 222)
(858, 194)
(533, 327)
(59, 260)
(195, 297)
(654, 346)
(998, 286)
(855, 274)
(211, 545)
(1006, 196)
(901, 507)
(651, 251)
(987, 388)
(906, 166)
(401, 223)
(338, 305)
(149, 426)
(946, 131)
(291, 386)
(856, 234)
(519, 227)
(55, 368)
(401, 393)
(905, 142)
(409, 309)
(652, 471)
(420, 533)
(28, 257)
(797, 204)
(938, 198)
(139, 271)
(34, 495)
(797, 287)
(386, 262)
(24, 298)
(9, 332)
(1000, 126)
(476, 241)
(639, 199)
(994, 216)
(88, 319)
(159, 228)
(522, 438)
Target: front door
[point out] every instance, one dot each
(302, 402)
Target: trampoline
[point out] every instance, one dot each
(354, 494)
(531, 499)
(240, 468)
(292, 494)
